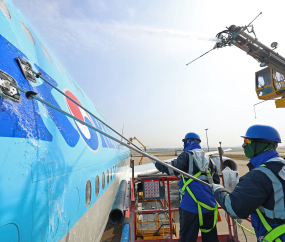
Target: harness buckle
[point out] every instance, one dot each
(181, 192)
(261, 238)
(210, 178)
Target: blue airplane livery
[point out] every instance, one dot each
(58, 177)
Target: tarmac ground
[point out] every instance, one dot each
(113, 232)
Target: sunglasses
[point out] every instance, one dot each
(247, 141)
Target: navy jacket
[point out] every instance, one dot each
(254, 189)
(201, 192)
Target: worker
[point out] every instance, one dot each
(198, 208)
(260, 192)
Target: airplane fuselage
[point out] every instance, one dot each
(58, 177)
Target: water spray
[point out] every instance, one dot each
(231, 36)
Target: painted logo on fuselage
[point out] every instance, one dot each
(88, 135)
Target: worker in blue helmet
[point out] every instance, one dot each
(260, 192)
(198, 209)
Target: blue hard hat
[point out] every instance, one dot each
(192, 135)
(262, 132)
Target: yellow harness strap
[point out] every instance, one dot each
(272, 234)
(199, 204)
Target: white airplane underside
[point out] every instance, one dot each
(150, 168)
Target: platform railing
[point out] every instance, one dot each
(232, 235)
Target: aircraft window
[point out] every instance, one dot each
(97, 186)
(88, 193)
(279, 81)
(5, 9)
(111, 173)
(265, 91)
(107, 177)
(103, 180)
(46, 53)
(58, 67)
(263, 78)
(28, 33)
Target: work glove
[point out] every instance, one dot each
(215, 187)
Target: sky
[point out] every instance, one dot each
(130, 58)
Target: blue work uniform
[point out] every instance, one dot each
(261, 188)
(189, 221)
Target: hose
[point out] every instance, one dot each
(30, 95)
(244, 227)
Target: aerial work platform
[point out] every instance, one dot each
(152, 218)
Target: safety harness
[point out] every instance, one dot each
(272, 234)
(200, 204)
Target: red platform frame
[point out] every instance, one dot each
(230, 237)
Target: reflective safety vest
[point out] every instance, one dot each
(199, 204)
(273, 234)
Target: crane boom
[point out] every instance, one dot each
(235, 35)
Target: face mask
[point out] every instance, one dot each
(185, 143)
(256, 148)
(190, 141)
(249, 153)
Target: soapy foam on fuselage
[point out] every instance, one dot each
(13, 107)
